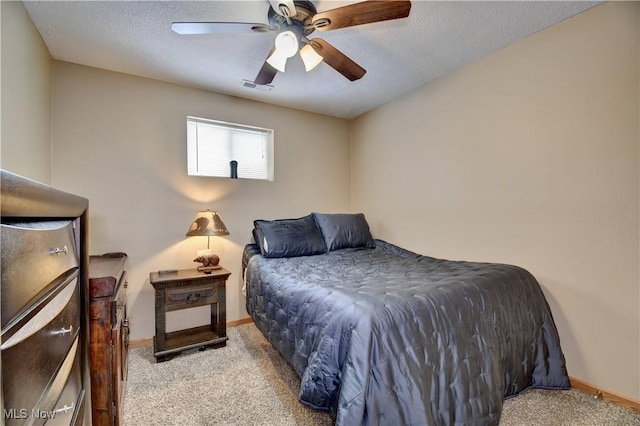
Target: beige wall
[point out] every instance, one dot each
(120, 141)
(528, 156)
(26, 96)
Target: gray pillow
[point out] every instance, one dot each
(344, 230)
(289, 237)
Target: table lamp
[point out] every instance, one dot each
(207, 224)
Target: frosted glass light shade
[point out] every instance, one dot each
(310, 57)
(277, 60)
(286, 47)
(287, 43)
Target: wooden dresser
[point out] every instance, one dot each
(109, 336)
(44, 349)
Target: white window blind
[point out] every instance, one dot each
(212, 145)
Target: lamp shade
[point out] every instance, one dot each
(287, 43)
(206, 224)
(286, 47)
(310, 58)
(277, 60)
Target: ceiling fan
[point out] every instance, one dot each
(294, 20)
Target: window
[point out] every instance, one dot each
(213, 145)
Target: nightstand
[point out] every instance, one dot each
(185, 289)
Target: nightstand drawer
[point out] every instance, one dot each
(197, 295)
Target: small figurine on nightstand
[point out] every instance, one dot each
(209, 263)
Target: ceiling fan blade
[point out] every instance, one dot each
(218, 27)
(285, 8)
(361, 13)
(337, 60)
(266, 73)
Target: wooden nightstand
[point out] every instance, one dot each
(185, 289)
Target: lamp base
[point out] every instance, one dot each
(208, 269)
(209, 261)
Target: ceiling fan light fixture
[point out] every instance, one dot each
(287, 43)
(286, 47)
(310, 57)
(277, 60)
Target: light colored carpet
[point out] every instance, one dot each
(249, 383)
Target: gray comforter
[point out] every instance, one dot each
(385, 336)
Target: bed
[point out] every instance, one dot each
(380, 335)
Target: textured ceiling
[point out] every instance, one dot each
(401, 55)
